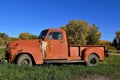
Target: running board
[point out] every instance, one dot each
(63, 61)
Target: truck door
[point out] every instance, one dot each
(56, 46)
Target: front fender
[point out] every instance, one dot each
(34, 52)
(99, 52)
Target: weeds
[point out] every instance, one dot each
(109, 69)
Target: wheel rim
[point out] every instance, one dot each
(25, 62)
(93, 61)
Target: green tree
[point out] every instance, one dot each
(76, 31)
(4, 39)
(33, 36)
(1, 42)
(116, 41)
(108, 44)
(79, 32)
(24, 35)
(4, 36)
(93, 35)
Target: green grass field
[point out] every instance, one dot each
(107, 70)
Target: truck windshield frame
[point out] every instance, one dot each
(43, 34)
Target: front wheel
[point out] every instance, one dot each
(93, 60)
(24, 59)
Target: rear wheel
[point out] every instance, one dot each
(93, 60)
(24, 59)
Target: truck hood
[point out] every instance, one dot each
(25, 43)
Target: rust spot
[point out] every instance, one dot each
(21, 50)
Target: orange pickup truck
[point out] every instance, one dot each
(52, 47)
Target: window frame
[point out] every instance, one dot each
(53, 33)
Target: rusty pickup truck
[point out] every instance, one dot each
(52, 47)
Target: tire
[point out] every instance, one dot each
(24, 59)
(93, 60)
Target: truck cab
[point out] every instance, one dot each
(52, 47)
(54, 44)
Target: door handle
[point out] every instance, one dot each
(61, 42)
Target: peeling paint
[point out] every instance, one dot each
(44, 44)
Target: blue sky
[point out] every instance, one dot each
(32, 16)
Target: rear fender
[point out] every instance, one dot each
(96, 51)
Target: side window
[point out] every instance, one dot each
(55, 36)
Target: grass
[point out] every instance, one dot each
(114, 51)
(107, 70)
(2, 53)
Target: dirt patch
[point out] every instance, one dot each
(92, 77)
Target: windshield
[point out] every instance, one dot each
(43, 34)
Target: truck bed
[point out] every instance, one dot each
(77, 50)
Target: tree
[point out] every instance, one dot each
(4, 36)
(33, 36)
(1, 42)
(4, 39)
(116, 41)
(93, 35)
(24, 35)
(108, 44)
(79, 32)
(76, 32)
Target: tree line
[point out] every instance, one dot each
(78, 32)
(5, 39)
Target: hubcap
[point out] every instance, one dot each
(25, 62)
(93, 61)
